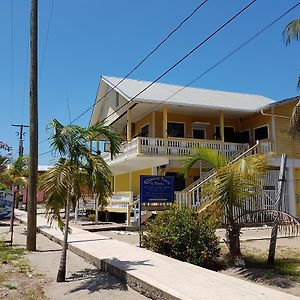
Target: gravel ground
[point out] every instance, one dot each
(84, 281)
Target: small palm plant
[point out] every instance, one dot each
(77, 173)
(232, 185)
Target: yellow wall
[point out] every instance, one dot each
(256, 120)
(189, 119)
(297, 190)
(142, 122)
(136, 179)
(122, 183)
(284, 143)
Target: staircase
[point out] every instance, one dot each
(191, 195)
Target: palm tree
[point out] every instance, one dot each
(232, 185)
(77, 173)
(14, 178)
(290, 33)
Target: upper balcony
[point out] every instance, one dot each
(139, 152)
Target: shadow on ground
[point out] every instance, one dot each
(95, 280)
(265, 276)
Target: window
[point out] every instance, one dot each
(175, 129)
(228, 133)
(117, 99)
(244, 136)
(199, 133)
(261, 133)
(145, 130)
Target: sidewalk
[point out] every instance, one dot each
(152, 274)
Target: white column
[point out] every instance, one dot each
(153, 124)
(165, 121)
(222, 126)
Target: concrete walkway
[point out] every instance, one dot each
(152, 274)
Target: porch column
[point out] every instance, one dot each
(165, 121)
(128, 125)
(222, 126)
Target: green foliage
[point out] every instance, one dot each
(8, 253)
(180, 233)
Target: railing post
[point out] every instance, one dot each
(128, 214)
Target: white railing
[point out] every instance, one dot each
(170, 147)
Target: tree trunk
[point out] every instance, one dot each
(12, 217)
(61, 275)
(233, 242)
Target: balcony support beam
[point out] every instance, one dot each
(165, 121)
(222, 126)
(128, 125)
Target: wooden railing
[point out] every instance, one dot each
(171, 147)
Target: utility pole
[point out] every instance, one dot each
(21, 135)
(33, 148)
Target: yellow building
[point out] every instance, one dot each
(160, 123)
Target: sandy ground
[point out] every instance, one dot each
(84, 281)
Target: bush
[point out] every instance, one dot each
(180, 233)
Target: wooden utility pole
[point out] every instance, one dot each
(33, 148)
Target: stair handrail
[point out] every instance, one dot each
(191, 189)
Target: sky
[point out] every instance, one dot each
(81, 40)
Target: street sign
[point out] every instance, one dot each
(6, 204)
(156, 188)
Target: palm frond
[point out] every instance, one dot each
(292, 31)
(287, 224)
(213, 157)
(294, 128)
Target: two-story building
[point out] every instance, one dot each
(165, 122)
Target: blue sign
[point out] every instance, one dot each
(156, 188)
(6, 204)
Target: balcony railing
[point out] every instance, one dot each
(171, 147)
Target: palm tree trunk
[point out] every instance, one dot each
(61, 275)
(12, 216)
(233, 239)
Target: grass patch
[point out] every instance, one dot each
(23, 266)
(10, 286)
(8, 253)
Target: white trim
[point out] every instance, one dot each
(261, 127)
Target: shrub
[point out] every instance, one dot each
(180, 233)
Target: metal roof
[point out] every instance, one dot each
(189, 96)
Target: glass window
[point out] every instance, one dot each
(199, 134)
(261, 133)
(145, 130)
(175, 129)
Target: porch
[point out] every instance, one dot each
(147, 152)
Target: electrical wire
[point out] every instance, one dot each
(144, 59)
(140, 63)
(179, 61)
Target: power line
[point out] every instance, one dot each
(174, 65)
(232, 52)
(181, 60)
(46, 42)
(140, 63)
(144, 59)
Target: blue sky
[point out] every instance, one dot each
(88, 39)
